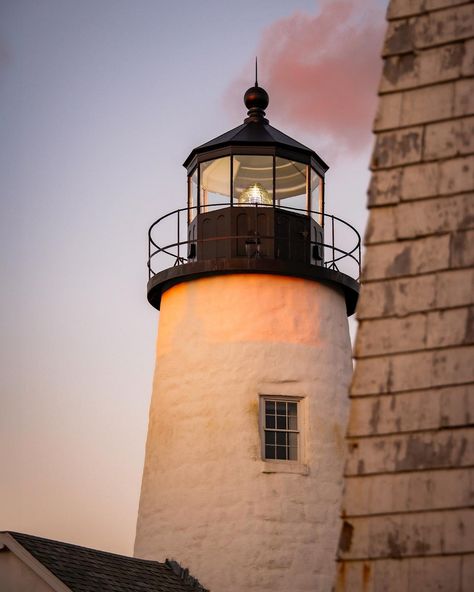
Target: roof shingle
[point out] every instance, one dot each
(89, 570)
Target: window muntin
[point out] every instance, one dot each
(280, 429)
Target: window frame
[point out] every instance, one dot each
(232, 152)
(271, 465)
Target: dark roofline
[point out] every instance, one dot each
(21, 537)
(255, 134)
(76, 567)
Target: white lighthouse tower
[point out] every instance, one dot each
(244, 456)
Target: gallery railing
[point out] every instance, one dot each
(168, 243)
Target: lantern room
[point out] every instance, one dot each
(255, 175)
(255, 204)
(255, 164)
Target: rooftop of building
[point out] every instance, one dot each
(82, 569)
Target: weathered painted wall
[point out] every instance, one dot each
(409, 482)
(208, 500)
(16, 576)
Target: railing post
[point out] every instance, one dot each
(355, 253)
(178, 238)
(333, 251)
(149, 255)
(360, 260)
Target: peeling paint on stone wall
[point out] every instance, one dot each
(409, 483)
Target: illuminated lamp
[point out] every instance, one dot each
(255, 194)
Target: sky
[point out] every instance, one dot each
(100, 103)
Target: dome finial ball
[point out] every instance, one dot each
(256, 97)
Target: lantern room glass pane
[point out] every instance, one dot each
(192, 195)
(215, 183)
(317, 196)
(291, 184)
(253, 180)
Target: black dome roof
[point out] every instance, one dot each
(256, 131)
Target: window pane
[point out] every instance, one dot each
(192, 196)
(281, 422)
(269, 406)
(291, 184)
(253, 179)
(281, 408)
(270, 437)
(292, 423)
(270, 421)
(281, 452)
(270, 452)
(291, 408)
(292, 440)
(215, 182)
(281, 438)
(316, 196)
(292, 453)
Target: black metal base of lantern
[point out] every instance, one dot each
(255, 232)
(167, 278)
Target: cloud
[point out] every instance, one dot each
(322, 71)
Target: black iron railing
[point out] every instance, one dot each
(168, 243)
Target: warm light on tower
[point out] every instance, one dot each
(253, 363)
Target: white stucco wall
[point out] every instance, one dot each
(16, 576)
(207, 498)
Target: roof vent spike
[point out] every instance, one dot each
(183, 574)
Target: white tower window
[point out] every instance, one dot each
(280, 424)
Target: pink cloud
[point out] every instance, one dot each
(322, 71)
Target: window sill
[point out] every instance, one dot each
(284, 466)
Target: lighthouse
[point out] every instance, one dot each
(254, 282)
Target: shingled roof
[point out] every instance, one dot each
(88, 570)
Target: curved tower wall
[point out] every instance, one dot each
(208, 499)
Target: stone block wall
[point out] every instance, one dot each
(408, 517)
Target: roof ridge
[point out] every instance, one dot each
(76, 546)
